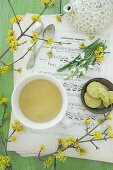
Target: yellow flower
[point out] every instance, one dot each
(49, 41)
(14, 19)
(87, 122)
(30, 48)
(9, 65)
(3, 100)
(84, 110)
(46, 2)
(97, 135)
(34, 38)
(111, 99)
(13, 138)
(6, 115)
(78, 149)
(17, 126)
(49, 53)
(43, 148)
(4, 162)
(83, 152)
(51, 4)
(99, 120)
(96, 52)
(61, 156)
(109, 131)
(109, 117)
(3, 69)
(48, 162)
(91, 37)
(82, 45)
(10, 33)
(36, 18)
(100, 58)
(59, 19)
(20, 70)
(100, 49)
(13, 43)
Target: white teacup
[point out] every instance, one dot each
(17, 110)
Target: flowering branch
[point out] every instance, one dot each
(15, 16)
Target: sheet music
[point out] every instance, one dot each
(29, 141)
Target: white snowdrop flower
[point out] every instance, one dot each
(90, 66)
(73, 69)
(83, 70)
(65, 77)
(82, 55)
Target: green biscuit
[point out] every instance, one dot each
(91, 102)
(110, 95)
(104, 95)
(93, 89)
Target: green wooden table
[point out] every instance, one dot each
(6, 87)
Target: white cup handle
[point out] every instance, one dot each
(67, 122)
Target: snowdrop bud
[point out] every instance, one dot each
(90, 66)
(83, 70)
(82, 55)
(73, 69)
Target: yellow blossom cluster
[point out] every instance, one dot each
(49, 41)
(20, 70)
(91, 37)
(13, 138)
(10, 33)
(58, 18)
(63, 143)
(109, 117)
(43, 148)
(49, 53)
(12, 41)
(97, 135)
(87, 122)
(61, 156)
(6, 115)
(36, 18)
(17, 126)
(48, 2)
(48, 162)
(99, 120)
(4, 162)
(14, 19)
(4, 68)
(111, 99)
(98, 56)
(82, 45)
(109, 131)
(3, 100)
(34, 37)
(83, 152)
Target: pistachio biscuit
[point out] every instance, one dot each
(104, 95)
(93, 89)
(110, 95)
(92, 102)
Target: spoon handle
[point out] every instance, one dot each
(34, 55)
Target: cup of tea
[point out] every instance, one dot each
(39, 101)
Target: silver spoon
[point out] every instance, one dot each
(38, 27)
(47, 33)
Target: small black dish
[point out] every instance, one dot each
(108, 85)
